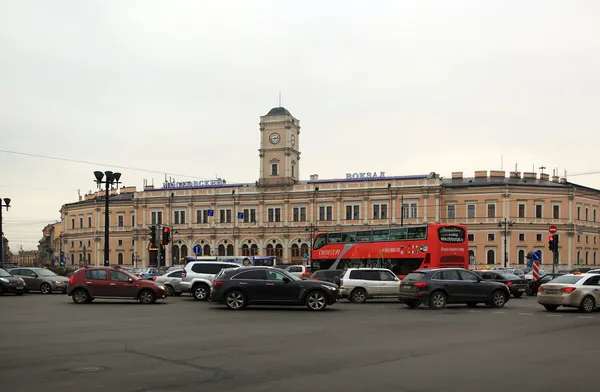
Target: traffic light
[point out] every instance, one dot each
(152, 235)
(166, 235)
(553, 243)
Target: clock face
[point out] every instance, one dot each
(293, 140)
(274, 138)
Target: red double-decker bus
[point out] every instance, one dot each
(401, 249)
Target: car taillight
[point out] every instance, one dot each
(341, 282)
(218, 283)
(154, 278)
(509, 283)
(183, 274)
(420, 284)
(71, 279)
(567, 290)
(540, 289)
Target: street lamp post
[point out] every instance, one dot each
(111, 178)
(7, 205)
(311, 233)
(506, 224)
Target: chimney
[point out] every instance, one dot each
(480, 173)
(497, 173)
(457, 175)
(515, 175)
(554, 178)
(544, 176)
(314, 177)
(563, 180)
(529, 175)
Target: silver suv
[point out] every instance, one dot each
(197, 277)
(359, 284)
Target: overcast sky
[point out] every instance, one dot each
(178, 87)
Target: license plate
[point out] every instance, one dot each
(407, 287)
(551, 291)
(521, 290)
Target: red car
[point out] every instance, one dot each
(87, 284)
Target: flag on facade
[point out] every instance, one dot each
(211, 212)
(240, 215)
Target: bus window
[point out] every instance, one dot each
(398, 233)
(363, 236)
(349, 237)
(381, 235)
(320, 241)
(417, 233)
(334, 238)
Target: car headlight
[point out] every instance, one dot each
(4, 280)
(162, 287)
(331, 288)
(22, 280)
(57, 282)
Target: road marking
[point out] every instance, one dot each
(586, 317)
(526, 314)
(554, 315)
(499, 312)
(474, 311)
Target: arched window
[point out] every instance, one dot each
(229, 250)
(270, 250)
(245, 250)
(120, 259)
(521, 256)
(295, 252)
(221, 250)
(184, 251)
(491, 257)
(279, 251)
(254, 250)
(206, 250)
(471, 257)
(176, 257)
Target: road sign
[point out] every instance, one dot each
(553, 229)
(536, 256)
(197, 249)
(305, 256)
(536, 271)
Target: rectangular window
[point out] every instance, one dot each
(594, 215)
(249, 215)
(538, 210)
(198, 216)
(471, 211)
(409, 210)
(471, 237)
(587, 214)
(521, 210)
(451, 211)
(89, 221)
(299, 214)
(379, 211)
(491, 237)
(538, 237)
(157, 217)
(302, 214)
(352, 212)
(225, 216)
(73, 223)
(205, 216)
(179, 217)
(274, 214)
(274, 169)
(120, 220)
(578, 213)
(521, 236)
(556, 212)
(413, 210)
(120, 242)
(491, 211)
(132, 220)
(253, 215)
(81, 222)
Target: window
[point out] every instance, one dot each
(380, 235)
(120, 242)
(491, 256)
(353, 212)
(274, 169)
(80, 244)
(471, 211)
(363, 236)
(274, 214)
(326, 213)
(72, 223)
(120, 220)
(118, 276)
(293, 174)
(447, 275)
(120, 259)
(556, 212)
(132, 220)
(578, 212)
(89, 221)
(249, 215)
(466, 275)
(491, 236)
(409, 210)
(578, 238)
(225, 216)
(491, 211)
(471, 237)
(587, 239)
(594, 215)
(521, 236)
(538, 210)
(299, 214)
(521, 256)
(274, 275)
(179, 217)
(81, 222)
(221, 250)
(157, 217)
(199, 216)
(251, 275)
(587, 214)
(521, 210)
(380, 211)
(95, 274)
(206, 250)
(451, 211)
(72, 244)
(229, 250)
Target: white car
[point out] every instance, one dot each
(300, 271)
(197, 277)
(359, 284)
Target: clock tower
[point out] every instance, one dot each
(279, 155)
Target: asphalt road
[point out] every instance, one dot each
(48, 343)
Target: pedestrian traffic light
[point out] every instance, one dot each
(152, 235)
(166, 235)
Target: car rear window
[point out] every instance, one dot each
(415, 276)
(508, 275)
(567, 279)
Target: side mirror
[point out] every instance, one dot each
(130, 280)
(286, 280)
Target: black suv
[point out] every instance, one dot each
(243, 286)
(439, 287)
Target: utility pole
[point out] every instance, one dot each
(7, 205)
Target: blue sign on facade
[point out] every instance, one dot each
(240, 215)
(197, 249)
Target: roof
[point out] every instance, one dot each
(495, 181)
(280, 111)
(101, 198)
(409, 177)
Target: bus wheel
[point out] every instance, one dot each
(358, 296)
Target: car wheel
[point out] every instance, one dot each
(316, 300)
(147, 297)
(45, 288)
(235, 300)
(170, 290)
(437, 300)
(587, 304)
(498, 299)
(517, 295)
(81, 296)
(471, 304)
(200, 292)
(358, 296)
(551, 308)
(412, 304)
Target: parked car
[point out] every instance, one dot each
(41, 279)
(197, 277)
(11, 284)
(442, 286)
(360, 284)
(532, 287)
(172, 281)
(87, 284)
(331, 276)
(573, 290)
(515, 271)
(300, 271)
(516, 285)
(238, 288)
